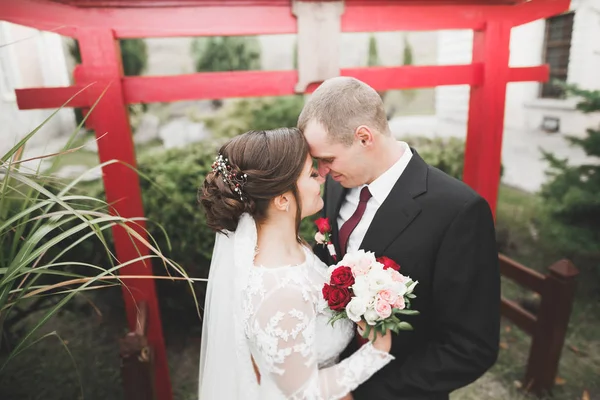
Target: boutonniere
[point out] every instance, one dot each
(323, 236)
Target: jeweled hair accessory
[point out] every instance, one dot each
(235, 179)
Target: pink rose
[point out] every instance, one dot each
(388, 296)
(398, 277)
(383, 308)
(361, 268)
(399, 304)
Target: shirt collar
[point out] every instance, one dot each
(381, 187)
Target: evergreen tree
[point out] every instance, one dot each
(572, 195)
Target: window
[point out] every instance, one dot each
(557, 45)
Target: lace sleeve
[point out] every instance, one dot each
(284, 329)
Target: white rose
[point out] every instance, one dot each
(379, 280)
(356, 308)
(361, 287)
(377, 265)
(399, 288)
(371, 316)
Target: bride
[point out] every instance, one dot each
(265, 331)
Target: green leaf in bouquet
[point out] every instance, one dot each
(338, 316)
(411, 296)
(405, 326)
(406, 312)
(367, 332)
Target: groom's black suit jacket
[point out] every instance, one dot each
(442, 234)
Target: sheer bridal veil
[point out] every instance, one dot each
(226, 370)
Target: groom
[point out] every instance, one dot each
(381, 196)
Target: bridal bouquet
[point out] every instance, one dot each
(364, 287)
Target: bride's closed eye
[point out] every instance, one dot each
(314, 174)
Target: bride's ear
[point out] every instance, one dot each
(283, 202)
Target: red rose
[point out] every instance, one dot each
(323, 225)
(339, 298)
(342, 277)
(388, 263)
(326, 290)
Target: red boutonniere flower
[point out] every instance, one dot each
(323, 236)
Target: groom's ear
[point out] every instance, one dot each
(364, 135)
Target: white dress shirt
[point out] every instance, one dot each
(380, 188)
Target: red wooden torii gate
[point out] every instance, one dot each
(97, 24)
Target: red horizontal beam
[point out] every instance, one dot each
(51, 97)
(219, 85)
(151, 22)
(396, 17)
(181, 3)
(538, 9)
(223, 20)
(539, 73)
(412, 77)
(208, 85)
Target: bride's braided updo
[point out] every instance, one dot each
(251, 170)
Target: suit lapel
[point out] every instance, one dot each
(399, 208)
(335, 197)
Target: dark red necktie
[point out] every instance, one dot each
(347, 229)
(349, 225)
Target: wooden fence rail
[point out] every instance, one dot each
(548, 327)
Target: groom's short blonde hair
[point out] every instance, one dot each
(341, 105)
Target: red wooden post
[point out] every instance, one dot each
(551, 327)
(101, 63)
(137, 360)
(486, 111)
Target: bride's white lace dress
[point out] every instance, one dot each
(295, 347)
(278, 317)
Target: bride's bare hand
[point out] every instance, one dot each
(382, 342)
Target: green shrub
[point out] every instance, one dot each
(243, 115)
(446, 154)
(226, 53)
(169, 195)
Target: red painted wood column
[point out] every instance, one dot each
(101, 64)
(486, 111)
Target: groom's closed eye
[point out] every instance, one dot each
(325, 160)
